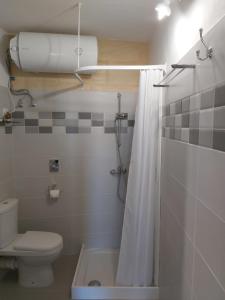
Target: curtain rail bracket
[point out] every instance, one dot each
(168, 78)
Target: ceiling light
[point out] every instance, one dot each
(163, 10)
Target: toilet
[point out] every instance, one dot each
(32, 252)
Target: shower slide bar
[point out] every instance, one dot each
(170, 75)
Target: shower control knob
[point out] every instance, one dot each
(113, 172)
(119, 171)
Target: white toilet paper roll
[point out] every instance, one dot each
(54, 194)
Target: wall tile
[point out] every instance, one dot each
(84, 129)
(194, 120)
(206, 118)
(31, 114)
(178, 107)
(219, 118)
(84, 115)
(109, 130)
(183, 163)
(172, 108)
(194, 136)
(211, 189)
(208, 99)
(206, 286)
(178, 121)
(180, 253)
(210, 240)
(72, 123)
(96, 123)
(178, 133)
(72, 115)
(59, 122)
(58, 115)
(45, 129)
(206, 138)
(32, 129)
(59, 130)
(186, 105)
(185, 120)
(182, 204)
(220, 96)
(97, 116)
(185, 135)
(44, 115)
(72, 129)
(167, 110)
(45, 122)
(18, 115)
(84, 123)
(8, 130)
(195, 102)
(31, 122)
(219, 140)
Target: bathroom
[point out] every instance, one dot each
(112, 149)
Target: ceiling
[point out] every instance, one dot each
(131, 20)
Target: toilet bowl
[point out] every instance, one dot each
(35, 251)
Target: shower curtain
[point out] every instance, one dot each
(136, 259)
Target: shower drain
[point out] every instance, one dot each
(94, 283)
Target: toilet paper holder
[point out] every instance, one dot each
(53, 191)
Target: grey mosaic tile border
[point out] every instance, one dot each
(68, 122)
(198, 119)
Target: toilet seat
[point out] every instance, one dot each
(34, 243)
(38, 241)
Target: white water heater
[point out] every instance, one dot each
(52, 53)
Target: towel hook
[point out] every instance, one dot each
(209, 50)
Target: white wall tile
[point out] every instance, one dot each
(206, 287)
(206, 118)
(210, 240)
(182, 160)
(182, 205)
(210, 187)
(195, 102)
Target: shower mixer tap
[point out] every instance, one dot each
(121, 116)
(120, 170)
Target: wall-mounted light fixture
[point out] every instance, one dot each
(163, 9)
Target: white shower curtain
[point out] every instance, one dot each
(136, 259)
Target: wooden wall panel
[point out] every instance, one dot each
(111, 52)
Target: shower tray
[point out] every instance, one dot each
(95, 278)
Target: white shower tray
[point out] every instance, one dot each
(101, 265)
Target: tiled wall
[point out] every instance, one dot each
(198, 119)
(192, 246)
(6, 186)
(66, 122)
(75, 127)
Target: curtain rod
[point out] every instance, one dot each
(120, 68)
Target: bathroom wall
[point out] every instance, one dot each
(4, 41)
(5, 138)
(175, 36)
(193, 167)
(75, 127)
(6, 184)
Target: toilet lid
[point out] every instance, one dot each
(38, 241)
